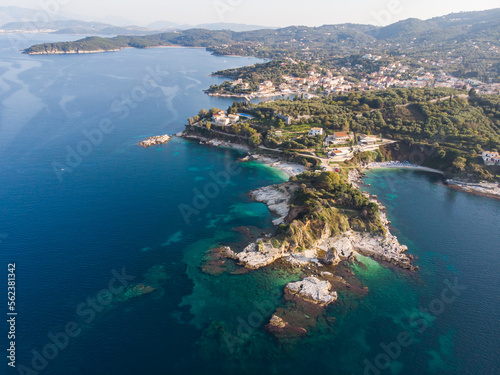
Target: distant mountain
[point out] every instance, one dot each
(14, 14)
(167, 25)
(448, 26)
(231, 26)
(73, 26)
(468, 42)
(78, 27)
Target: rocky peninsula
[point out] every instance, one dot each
(323, 224)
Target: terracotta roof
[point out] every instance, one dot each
(341, 134)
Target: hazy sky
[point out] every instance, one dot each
(260, 12)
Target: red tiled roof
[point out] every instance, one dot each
(341, 134)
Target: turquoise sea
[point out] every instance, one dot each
(85, 210)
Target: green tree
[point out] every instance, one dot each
(346, 126)
(208, 125)
(459, 163)
(255, 140)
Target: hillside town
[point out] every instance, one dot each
(330, 81)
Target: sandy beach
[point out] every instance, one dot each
(399, 165)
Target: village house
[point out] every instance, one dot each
(315, 131)
(233, 119)
(341, 136)
(338, 137)
(491, 158)
(266, 86)
(365, 140)
(339, 152)
(221, 118)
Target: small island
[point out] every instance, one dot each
(154, 141)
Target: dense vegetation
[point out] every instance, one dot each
(255, 74)
(455, 126)
(325, 205)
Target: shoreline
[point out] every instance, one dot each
(484, 189)
(480, 188)
(276, 197)
(290, 169)
(82, 52)
(396, 165)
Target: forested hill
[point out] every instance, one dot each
(473, 38)
(453, 32)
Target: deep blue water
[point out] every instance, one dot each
(69, 221)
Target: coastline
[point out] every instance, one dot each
(398, 165)
(78, 52)
(277, 197)
(484, 189)
(481, 188)
(290, 169)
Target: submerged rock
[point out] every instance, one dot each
(137, 290)
(284, 330)
(216, 260)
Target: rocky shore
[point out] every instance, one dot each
(307, 298)
(276, 197)
(215, 142)
(291, 169)
(488, 189)
(154, 141)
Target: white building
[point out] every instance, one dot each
(315, 131)
(341, 136)
(221, 120)
(233, 118)
(365, 140)
(491, 158)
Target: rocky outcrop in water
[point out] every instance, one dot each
(156, 140)
(313, 290)
(259, 254)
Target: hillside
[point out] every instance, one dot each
(448, 127)
(472, 39)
